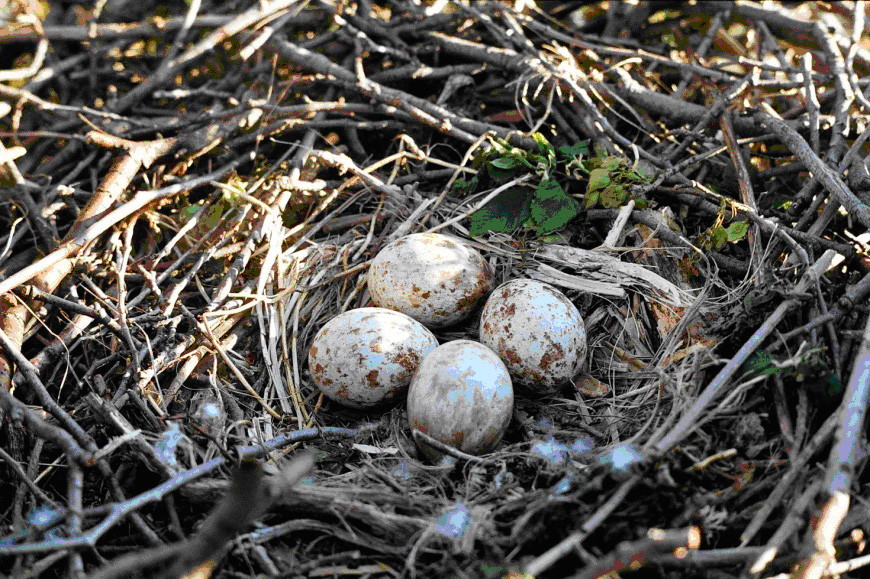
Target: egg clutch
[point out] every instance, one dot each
(461, 393)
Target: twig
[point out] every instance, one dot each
(858, 22)
(747, 192)
(827, 176)
(119, 511)
(635, 554)
(166, 72)
(84, 235)
(843, 94)
(845, 304)
(786, 483)
(425, 112)
(793, 522)
(687, 421)
(39, 389)
(110, 31)
(824, 554)
(574, 540)
(812, 101)
(296, 436)
(676, 110)
(79, 308)
(16, 468)
(842, 463)
(246, 500)
(16, 410)
(439, 446)
(602, 49)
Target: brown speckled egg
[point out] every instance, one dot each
(433, 278)
(538, 333)
(366, 357)
(461, 395)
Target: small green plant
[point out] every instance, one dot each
(718, 235)
(609, 180)
(231, 198)
(543, 207)
(808, 368)
(216, 213)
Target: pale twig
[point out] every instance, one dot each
(846, 453)
(842, 464)
(118, 511)
(206, 329)
(94, 230)
(688, 421)
(434, 443)
(630, 555)
(786, 483)
(824, 534)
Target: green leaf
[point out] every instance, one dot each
(545, 147)
(505, 163)
(644, 171)
(598, 179)
(189, 211)
(737, 231)
(503, 214)
(481, 158)
(611, 163)
(464, 187)
(501, 176)
(581, 149)
(613, 195)
(216, 213)
(552, 238)
(592, 199)
(718, 237)
(834, 385)
(212, 216)
(551, 208)
(761, 363)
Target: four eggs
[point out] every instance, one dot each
(461, 392)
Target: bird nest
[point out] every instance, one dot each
(192, 190)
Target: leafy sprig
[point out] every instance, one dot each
(544, 207)
(610, 179)
(715, 237)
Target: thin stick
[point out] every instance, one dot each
(687, 423)
(827, 176)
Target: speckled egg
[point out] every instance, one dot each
(461, 395)
(433, 278)
(538, 333)
(366, 357)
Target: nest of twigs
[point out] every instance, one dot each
(191, 191)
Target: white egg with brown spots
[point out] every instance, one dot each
(538, 333)
(366, 357)
(434, 278)
(461, 395)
